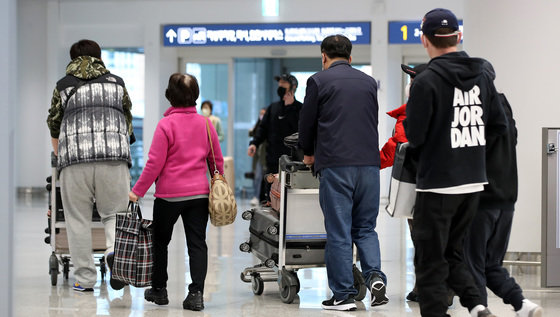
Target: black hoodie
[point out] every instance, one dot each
(501, 169)
(453, 107)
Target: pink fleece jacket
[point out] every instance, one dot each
(178, 155)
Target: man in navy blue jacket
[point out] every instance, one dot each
(338, 134)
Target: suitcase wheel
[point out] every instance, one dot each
(272, 230)
(270, 263)
(247, 215)
(245, 247)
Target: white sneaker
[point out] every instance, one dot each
(529, 309)
(254, 201)
(481, 311)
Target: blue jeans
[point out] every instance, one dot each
(349, 198)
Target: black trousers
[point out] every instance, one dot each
(194, 214)
(439, 226)
(485, 247)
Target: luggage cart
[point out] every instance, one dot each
(56, 230)
(291, 238)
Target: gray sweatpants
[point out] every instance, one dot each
(106, 182)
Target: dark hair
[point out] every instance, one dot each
(443, 41)
(182, 90)
(209, 103)
(85, 48)
(337, 46)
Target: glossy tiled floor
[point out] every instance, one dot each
(226, 294)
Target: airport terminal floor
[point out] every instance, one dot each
(225, 294)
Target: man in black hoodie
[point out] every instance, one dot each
(452, 108)
(487, 240)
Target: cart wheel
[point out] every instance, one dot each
(359, 283)
(257, 284)
(53, 268)
(102, 268)
(288, 293)
(297, 280)
(54, 277)
(66, 267)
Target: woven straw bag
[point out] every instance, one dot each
(221, 200)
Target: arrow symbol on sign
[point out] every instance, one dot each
(171, 35)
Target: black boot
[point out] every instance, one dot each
(194, 301)
(157, 295)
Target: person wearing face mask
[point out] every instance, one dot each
(207, 108)
(279, 121)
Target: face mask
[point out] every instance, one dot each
(206, 112)
(407, 90)
(281, 92)
(261, 116)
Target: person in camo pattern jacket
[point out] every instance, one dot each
(90, 125)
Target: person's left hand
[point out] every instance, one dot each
(289, 98)
(132, 197)
(309, 160)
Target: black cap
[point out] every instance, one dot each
(437, 19)
(289, 78)
(413, 71)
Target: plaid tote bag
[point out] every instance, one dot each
(133, 260)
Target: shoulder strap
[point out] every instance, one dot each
(211, 146)
(82, 82)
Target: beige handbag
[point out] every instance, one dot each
(221, 200)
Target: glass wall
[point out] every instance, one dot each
(213, 83)
(254, 80)
(128, 63)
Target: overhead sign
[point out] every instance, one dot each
(408, 32)
(263, 34)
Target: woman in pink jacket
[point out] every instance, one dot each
(178, 162)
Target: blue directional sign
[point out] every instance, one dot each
(263, 34)
(407, 32)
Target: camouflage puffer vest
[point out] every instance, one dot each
(93, 127)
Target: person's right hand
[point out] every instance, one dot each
(132, 197)
(252, 150)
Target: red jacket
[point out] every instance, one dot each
(387, 153)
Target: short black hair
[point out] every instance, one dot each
(443, 41)
(209, 103)
(85, 48)
(182, 90)
(336, 46)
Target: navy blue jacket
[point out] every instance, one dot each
(339, 118)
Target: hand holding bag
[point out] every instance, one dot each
(402, 190)
(133, 261)
(221, 200)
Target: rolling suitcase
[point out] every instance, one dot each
(263, 240)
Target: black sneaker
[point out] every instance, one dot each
(115, 284)
(156, 295)
(345, 304)
(194, 301)
(412, 296)
(378, 290)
